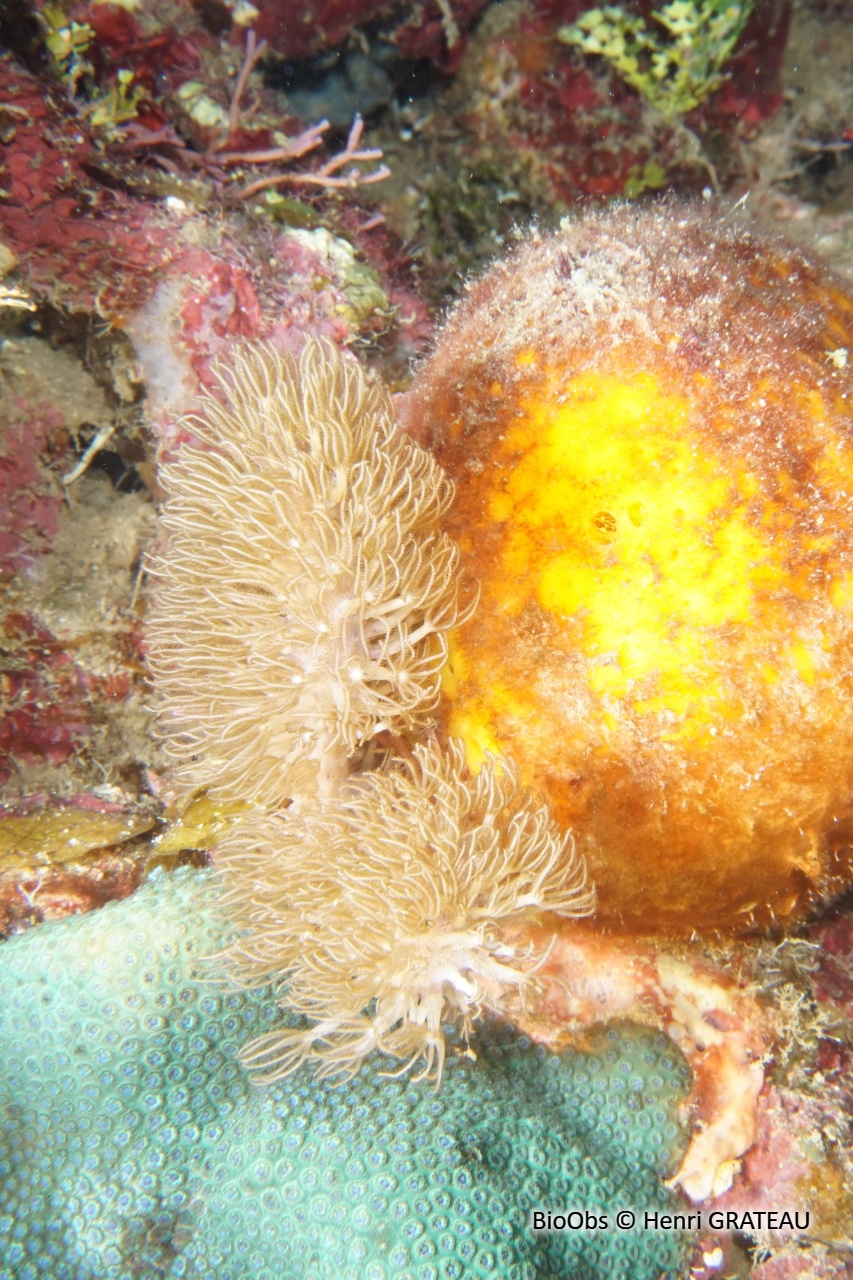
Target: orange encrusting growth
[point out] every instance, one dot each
(655, 496)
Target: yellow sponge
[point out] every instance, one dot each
(649, 419)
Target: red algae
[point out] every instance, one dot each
(649, 418)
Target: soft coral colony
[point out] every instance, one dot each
(307, 625)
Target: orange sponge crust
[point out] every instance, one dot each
(649, 418)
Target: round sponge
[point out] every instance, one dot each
(649, 420)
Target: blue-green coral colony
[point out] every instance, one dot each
(135, 1146)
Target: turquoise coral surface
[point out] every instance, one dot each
(134, 1145)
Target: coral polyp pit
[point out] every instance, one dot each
(649, 420)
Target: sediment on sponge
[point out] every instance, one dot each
(303, 598)
(387, 912)
(649, 418)
(131, 1142)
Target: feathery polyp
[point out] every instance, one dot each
(305, 591)
(388, 911)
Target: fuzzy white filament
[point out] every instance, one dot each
(303, 600)
(383, 913)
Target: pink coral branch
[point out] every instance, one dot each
(254, 50)
(328, 175)
(216, 159)
(291, 150)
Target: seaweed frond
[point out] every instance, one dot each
(675, 71)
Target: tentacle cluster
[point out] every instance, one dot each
(384, 914)
(302, 607)
(305, 594)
